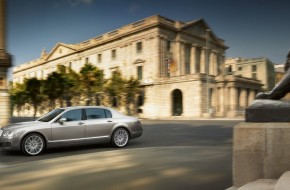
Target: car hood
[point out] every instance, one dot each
(23, 124)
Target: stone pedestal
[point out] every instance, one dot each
(261, 151)
(268, 111)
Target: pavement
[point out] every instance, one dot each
(151, 168)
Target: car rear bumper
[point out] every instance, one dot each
(137, 132)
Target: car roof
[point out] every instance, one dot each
(82, 107)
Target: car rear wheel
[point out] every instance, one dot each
(33, 144)
(120, 138)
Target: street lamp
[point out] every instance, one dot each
(207, 46)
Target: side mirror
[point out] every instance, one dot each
(62, 120)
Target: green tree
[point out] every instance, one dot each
(115, 88)
(91, 82)
(72, 86)
(18, 96)
(53, 87)
(33, 90)
(132, 92)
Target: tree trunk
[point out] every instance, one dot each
(35, 110)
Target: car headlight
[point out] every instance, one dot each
(8, 134)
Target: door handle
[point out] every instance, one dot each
(81, 123)
(109, 121)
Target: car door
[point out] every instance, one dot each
(72, 131)
(99, 124)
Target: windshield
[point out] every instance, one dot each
(50, 115)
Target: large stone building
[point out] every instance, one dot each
(261, 69)
(168, 57)
(279, 72)
(5, 63)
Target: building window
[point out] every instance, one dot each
(99, 58)
(140, 72)
(87, 60)
(114, 54)
(254, 68)
(240, 68)
(168, 46)
(70, 65)
(141, 98)
(60, 50)
(254, 75)
(139, 47)
(254, 71)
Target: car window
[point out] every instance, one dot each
(73, 115)
(51, 115)
(108, 113)
(95, 113)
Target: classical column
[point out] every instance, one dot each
(252, 97)
(243, 98)
(221, 100)
(182, 58)
(5, 63)
(211, 63)
(177, 56)
(234, 99)
(160, 55)
(202, 61)
(193, 68)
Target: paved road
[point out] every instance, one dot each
(170, 155)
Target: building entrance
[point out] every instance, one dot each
(177, 107)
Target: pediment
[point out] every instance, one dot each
(199, 28)
(139, 61)
(61, 50)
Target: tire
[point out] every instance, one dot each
(33, 144)
(120, 138)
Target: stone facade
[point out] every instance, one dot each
(279, 72)
(170, 60)
(256, 68)
(5, 63)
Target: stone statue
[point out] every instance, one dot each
(282, 88)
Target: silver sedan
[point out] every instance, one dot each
(71, 126)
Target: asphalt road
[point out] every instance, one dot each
(170, 155)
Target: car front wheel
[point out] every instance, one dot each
(33, 144)
(120, 138)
